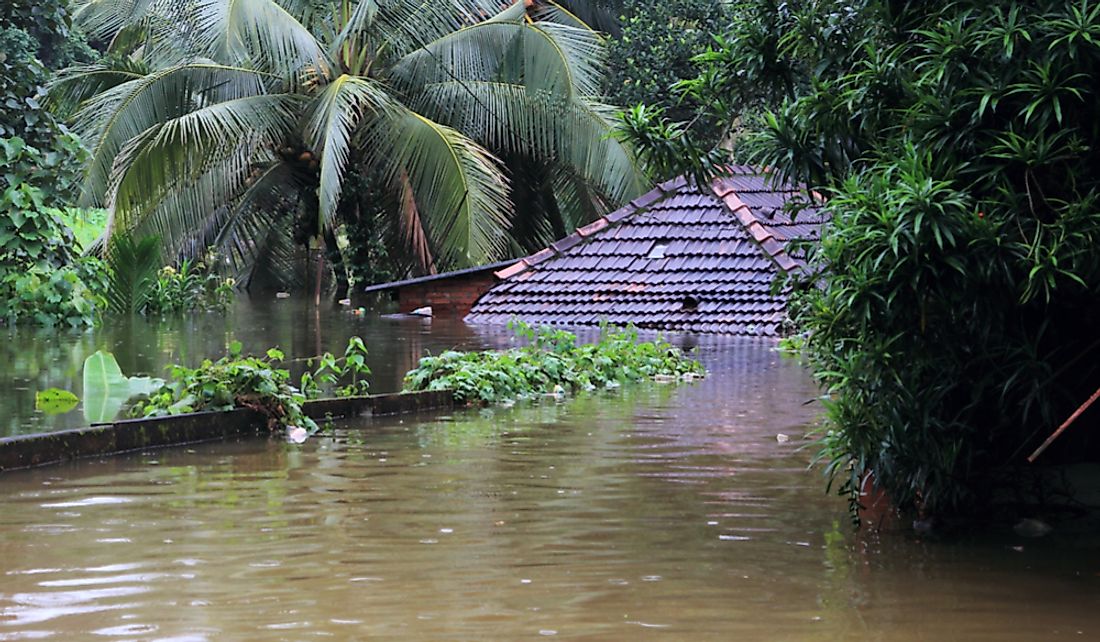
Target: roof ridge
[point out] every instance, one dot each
(563, 245)
(772, 247)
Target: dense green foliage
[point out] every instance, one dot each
(653, 51)
(194, 285)
(257, 382)
(252, 130)
(137, 284)
(957, 144)
(42, 281)
(35, 37)
(552, 362)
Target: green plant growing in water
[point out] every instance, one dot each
(106, 389)
(551, 363)
(137, 284)
(191, 286)
(330, 370)
(257, 382)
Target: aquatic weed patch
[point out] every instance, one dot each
(259, 383)
(552, 362)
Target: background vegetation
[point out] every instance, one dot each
(956, 144)
(264, 128)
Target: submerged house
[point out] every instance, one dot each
(680, 258)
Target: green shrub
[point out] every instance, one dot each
(552, 362)
(139, 285)
(42, 280)
(191, 286)
(257, 382)
(952, 313)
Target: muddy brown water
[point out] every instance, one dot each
(656, 512)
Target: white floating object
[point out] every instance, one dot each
(1032, 528)
(297, 434)
(425, 311)
(282, 295)
(781, 438)
(664, 378)
(345, 302)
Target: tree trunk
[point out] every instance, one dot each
(319, 244)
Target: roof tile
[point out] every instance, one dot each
(725, 247)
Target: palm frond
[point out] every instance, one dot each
(398, 27)
(331, 123)
(505, 116)
(412, 227)
(558, 59)
(179, 148)
(601, 15)
(255, 234)
(259, 31)
(74, 85)
(132, 267)
(111, 119)
(459, 188)
(102, 19)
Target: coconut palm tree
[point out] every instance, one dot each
(231, 123)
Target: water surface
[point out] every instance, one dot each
(34, 359)
(656, 513)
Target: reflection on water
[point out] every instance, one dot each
(33, 359)
(667, 512)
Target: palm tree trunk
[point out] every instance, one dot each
(319, 243)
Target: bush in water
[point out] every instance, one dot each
(552, 362)
(240, 381)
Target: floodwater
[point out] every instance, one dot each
(657, 512)
(36, 359)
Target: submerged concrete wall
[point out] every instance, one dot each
(24, 451)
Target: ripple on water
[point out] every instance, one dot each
(654, 511)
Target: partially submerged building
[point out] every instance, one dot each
(680, 258)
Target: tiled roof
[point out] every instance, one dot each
(677, 258)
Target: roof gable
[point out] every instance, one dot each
(677, 258)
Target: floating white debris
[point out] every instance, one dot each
(344, 301)
(1032, 528)
(425, 311)
(297, 434)
(282, 295)
(664, 378)
(781, 438)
